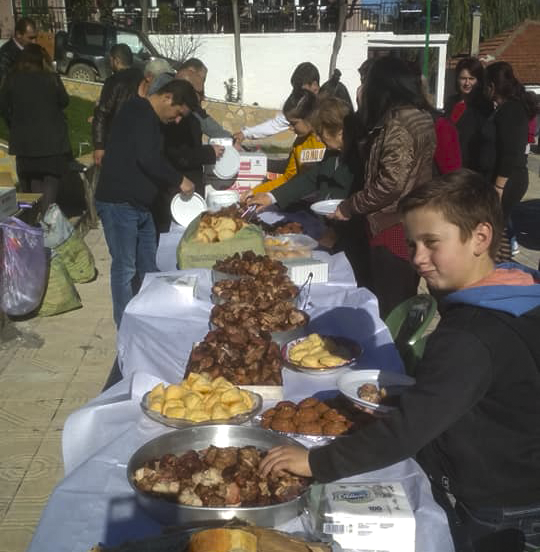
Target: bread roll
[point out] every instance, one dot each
(223, 540)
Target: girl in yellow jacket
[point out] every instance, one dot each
(307, 148)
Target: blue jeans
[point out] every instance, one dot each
(131, 238)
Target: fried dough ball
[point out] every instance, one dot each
(308, 403)
(280, 404)
(309, 428)
(321, 408)
(266, 423)
(285, 413)
(334, 428)
(283, 425)
(268, 413)
(333, 415)
(306, 415)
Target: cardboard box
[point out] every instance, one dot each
(299, 270)
(371, 517)
(8, 202)
(253, 166)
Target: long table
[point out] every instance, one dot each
(94, 503)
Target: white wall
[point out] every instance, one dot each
(269, 59)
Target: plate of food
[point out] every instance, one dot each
(320, 354)
(377, 390)
(200, 400)
(326, 207)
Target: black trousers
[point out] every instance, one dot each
(393, 280)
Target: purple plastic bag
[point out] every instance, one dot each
(23, 268)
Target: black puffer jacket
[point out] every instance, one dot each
(118, 88)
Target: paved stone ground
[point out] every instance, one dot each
(52, 366)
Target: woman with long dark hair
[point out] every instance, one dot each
(513, 111)
(396, 146)
(468, 110)
(32, 100)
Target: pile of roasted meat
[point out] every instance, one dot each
(276, 317)
(217, 477)
(259, 291)
(242, 355)
(250, 264)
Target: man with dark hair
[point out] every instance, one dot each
(133, 171)
(122, 85)
(25, 33)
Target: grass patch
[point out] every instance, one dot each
(80, 130)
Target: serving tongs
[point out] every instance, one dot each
(307, 284)
(247, 215)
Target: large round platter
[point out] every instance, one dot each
(394, 383)
(181, 423)
(184, 211)
(326, 207)
(316, 439)
(217, 276)
(351, 345)
(199, 438)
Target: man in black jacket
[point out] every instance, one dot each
(471, 419)
(122, 85)
(133, 171)
(25, 33)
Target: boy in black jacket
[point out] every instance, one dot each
(472, 419)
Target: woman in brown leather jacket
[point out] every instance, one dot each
(397, 143)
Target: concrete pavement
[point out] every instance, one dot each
(52, 366)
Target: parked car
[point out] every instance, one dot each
(83, 52)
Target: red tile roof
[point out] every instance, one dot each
(519, 46)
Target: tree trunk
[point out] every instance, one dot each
(342, 16)
(144, 15)
(238, 52)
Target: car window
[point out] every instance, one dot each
(132, 40)
(88, 37)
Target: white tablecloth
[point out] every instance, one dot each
(94, 503)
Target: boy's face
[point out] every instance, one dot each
(440, 256)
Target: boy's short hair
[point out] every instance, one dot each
(305, 73)
(182, 93)
(193, 63)
(465, 199)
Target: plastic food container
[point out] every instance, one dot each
(217, 199)
(289, 246)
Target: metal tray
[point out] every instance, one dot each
(198, 438)
(181, 423)
(315, 439)
(350, 344)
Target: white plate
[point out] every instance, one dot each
(228, 165)
(326, 207)
(184, 211)
(350, 382)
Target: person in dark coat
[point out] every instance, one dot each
(122, 85)
(469, 110)
(32, 102)
(25, 33)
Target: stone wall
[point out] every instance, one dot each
(232, 116)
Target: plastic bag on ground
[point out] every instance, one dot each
(23, 270)
(56, 227)
(77, 258)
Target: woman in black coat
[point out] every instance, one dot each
(468, 110)
(32, 100)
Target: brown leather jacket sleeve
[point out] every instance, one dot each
(394, 161)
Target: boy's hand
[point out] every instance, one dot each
(289, 458)
(238, 137)
(187, 187)
(262, 200)
(245, 196)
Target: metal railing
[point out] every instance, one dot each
(398, 17)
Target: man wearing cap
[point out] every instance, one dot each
(119, 87)
(133, 171)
